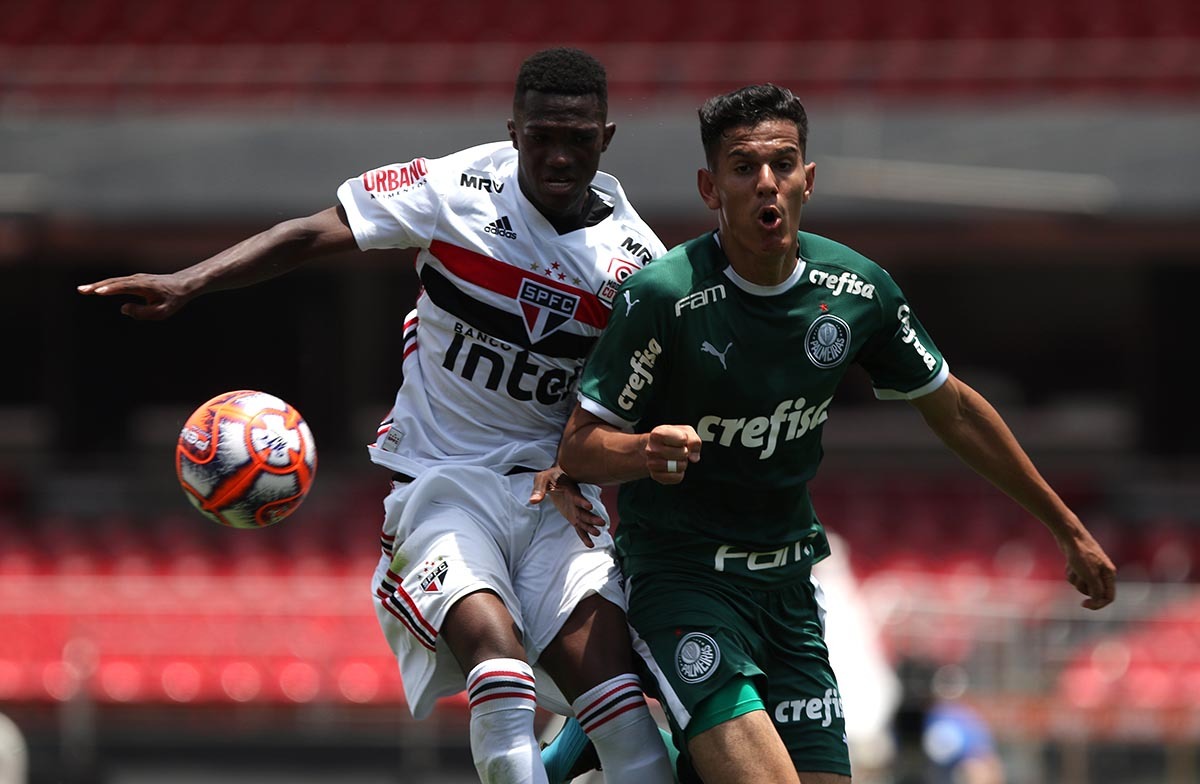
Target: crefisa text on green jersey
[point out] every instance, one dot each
(764, 431)
(847, 282)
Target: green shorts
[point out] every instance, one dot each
(703, 639)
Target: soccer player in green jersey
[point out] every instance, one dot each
(706, 397)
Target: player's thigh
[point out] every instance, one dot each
(727, 742)
(694, 634)
(479, 627)
(446, 549)
(565, 588)
(590, 648)
(802, 695)
(744, 748)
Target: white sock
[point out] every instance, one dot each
(503, 744)
(615, 716)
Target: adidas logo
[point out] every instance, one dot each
(501, 228)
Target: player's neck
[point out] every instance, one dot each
(591, 211)
(762, 268)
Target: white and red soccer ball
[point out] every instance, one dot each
(246, 459)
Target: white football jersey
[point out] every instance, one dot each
(508, 308)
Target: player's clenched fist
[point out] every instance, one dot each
(669, 449)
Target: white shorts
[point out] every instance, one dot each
(456, 530)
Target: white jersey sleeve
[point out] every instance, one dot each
(398, 205)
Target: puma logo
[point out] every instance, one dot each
(709, 348)
(628, 304)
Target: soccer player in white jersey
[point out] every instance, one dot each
(522, 246)
(708, 397)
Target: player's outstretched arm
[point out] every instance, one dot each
(594, 451)
(974, 430)
(268, 254)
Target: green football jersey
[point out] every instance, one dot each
(754, 370)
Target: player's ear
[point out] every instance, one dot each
(610, 130)
(512, 133)
(708, 189)
(810, 177)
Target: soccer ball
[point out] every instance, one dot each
(246, 459)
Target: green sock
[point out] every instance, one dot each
(672, 752)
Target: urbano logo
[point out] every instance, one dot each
(391, 179)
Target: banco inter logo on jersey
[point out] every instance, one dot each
(501, 227)
(545, 309)
(827, 341)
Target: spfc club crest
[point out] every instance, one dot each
(433, 575)
(545, 308)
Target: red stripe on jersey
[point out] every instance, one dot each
(409, 350)
(384, 599)
(403, 594)
(505, 279)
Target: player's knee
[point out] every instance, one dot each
(503, 746)
(501, 696)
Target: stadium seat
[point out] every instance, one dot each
(109, 51)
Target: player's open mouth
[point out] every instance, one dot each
(770, 218)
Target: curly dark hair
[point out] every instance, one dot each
(749, 106)
(562, 71)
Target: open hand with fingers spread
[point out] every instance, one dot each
(570, 502)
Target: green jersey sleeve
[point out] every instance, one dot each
(630, 355)
(901, 357)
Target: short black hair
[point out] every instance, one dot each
(562, 71)
(749, 106)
